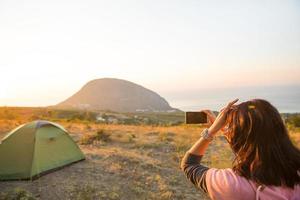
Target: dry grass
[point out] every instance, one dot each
(126, 162)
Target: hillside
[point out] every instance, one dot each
(116, 95)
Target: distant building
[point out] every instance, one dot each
(100, 119)
(112, 120)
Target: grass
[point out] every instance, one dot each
(99, 136)
(123, 162)
(17, 194)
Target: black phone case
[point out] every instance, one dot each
(195, 117)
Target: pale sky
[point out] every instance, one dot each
(50, 49)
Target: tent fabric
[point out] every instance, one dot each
(35, 148)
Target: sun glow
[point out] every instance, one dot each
(162, 46)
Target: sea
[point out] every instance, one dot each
(285, 98)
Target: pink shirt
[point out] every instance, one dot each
(224, 184)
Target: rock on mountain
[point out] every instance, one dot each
(116, 95)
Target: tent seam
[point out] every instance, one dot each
(33, 153)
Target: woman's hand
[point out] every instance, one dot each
(211, 117)
(220, 121)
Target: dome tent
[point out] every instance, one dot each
(35, 148)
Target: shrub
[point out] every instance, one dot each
(103, 136)
(131, 138)
(100, 135)
(294, 120)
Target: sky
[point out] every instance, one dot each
(50, 49)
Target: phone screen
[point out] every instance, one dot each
(195, 117)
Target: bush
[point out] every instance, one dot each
(103, 136)
(100, 135)
(131, 138)
(294, 120)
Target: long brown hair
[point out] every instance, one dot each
(260, 141)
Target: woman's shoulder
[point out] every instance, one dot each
(226, 177)
(226, 184)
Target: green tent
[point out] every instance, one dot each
(36, 148)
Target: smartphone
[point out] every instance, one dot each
(195, 117)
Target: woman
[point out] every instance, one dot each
(266, 164)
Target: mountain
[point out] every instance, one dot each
(116, 95)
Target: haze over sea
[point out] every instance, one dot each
(285, 98)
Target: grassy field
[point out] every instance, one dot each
(123, 162)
